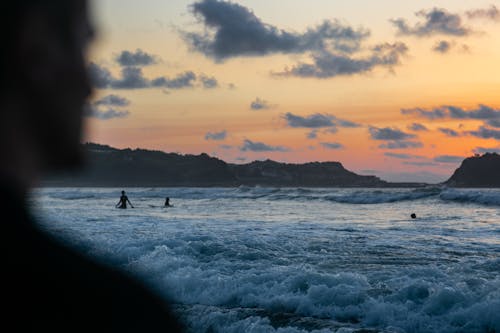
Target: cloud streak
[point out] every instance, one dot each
(216, 136)
(255, 146)
(328, 65)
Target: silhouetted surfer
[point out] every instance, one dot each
(167, 202)
(123, 202)
(413, 216)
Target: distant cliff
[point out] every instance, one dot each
(477, 171)
(112, 167)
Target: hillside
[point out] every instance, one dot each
(477, 171)
(112, 167)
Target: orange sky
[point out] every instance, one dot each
(379, 83)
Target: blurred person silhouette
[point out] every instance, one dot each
(167, 202)
(47, 286)
(123, 201)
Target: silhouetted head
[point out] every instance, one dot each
(123, 192)
(43, 78)
(413, 216)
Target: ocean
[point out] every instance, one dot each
(254, 259)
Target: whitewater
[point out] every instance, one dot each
(254, 259)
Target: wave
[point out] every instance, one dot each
(485, 197)
(336, 195)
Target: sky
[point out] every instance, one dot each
(404, 90)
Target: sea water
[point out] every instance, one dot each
(254, 259)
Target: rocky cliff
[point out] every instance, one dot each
(477, 171)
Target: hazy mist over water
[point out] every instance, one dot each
(298, 260)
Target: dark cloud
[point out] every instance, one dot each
(233, 30)
(183, 80)
(133, 78)
(136, 58)
(225, 147)
(259, 104)
(449, 132)
(249, 145)
(416, 127)
(99, 76)
(401, 145)
(489, 115)
(216, 136)
(332, 145)
(110, 113)
(491, 13)
(448, 159)
(327, 65)
(442, 46)
(389, 134)
(494, 122)
(112, 100)
(485, 133)
(436, 21)
(209, 82)
(318, 120)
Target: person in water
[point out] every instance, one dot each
(167, 202)
(48, 285)
(123, 201)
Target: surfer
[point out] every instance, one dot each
(413, 215)
(167, 202)
(123, 202)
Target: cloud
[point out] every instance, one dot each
(112, 100)
(183, 80)
(110, 113)
(249, 145)
(259, 104)
(492, 13)
(312, 134)
(494, 122)
(216, 136)
(436, 21)
(416, 127)
(402, 156)
(449, 132)
(484, 150)
(489, 115)
(136, 58)
(420, 164)
(328, 65)
(232, 30)
(225, 147)
(332, 145)
(209, 82)
(99, 76)
(389, 134)
(442, 47)
(401, 145)
(318, 120)
(485, 133)
(448, 159)
(133, 78)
